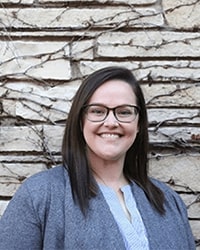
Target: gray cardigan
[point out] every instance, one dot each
(42, 215)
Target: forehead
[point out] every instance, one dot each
(114, 92)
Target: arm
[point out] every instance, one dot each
(181, 207)
(178, 208)
(20, 225)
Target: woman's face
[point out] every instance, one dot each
(110, 139)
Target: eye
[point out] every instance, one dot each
(124, 111)
(96, 110)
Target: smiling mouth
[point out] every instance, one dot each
(113, 136)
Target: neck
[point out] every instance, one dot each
(110, 175)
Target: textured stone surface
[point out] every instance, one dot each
(37, 102)
(104, 1)
(12, 175)
(154, 70)
(3, 205)
(76, 18)
(154, 44)
(36, 138)
(182, 169)
(48, 47)
(182, 14)
(35, 60)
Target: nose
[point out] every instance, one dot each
(111, 119)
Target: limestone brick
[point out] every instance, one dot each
(48, 160)
(171, 95)
(154, 70)
(17, 1)
(177, 70)
(173, 136)
(83, 50)
(195, 225)
(3, 205)
(171, 116)
(12, 175)
(23, 49)
(36, 138)
(181, 169)
(19, 139)
(78, 19)
(37, 102)
(58, 69)
(134, 2)
(87, 67)
(151, 44)
(41, 60)
(35, 68)
(182, 14)
(193, 208)
(192, 201)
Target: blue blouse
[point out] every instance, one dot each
(133, 232)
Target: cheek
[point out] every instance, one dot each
(137, 125)
(132, 136)
(84, 129)
(87, 129)
(133, 132)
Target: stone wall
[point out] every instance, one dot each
(48, 46)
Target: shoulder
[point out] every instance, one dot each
(167, 190)
(172, 198)
(54, 175)
(42, 183)
(43, 189)
(36, 197)
(163, 187)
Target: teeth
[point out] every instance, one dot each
(109, 136)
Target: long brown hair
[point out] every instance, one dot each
(74, 156)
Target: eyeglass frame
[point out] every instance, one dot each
(85, 107)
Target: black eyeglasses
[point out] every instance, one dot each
(123, 113)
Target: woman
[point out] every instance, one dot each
(101, 197)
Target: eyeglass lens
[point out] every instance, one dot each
(125, 113)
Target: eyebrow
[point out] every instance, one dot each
(101, 104)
